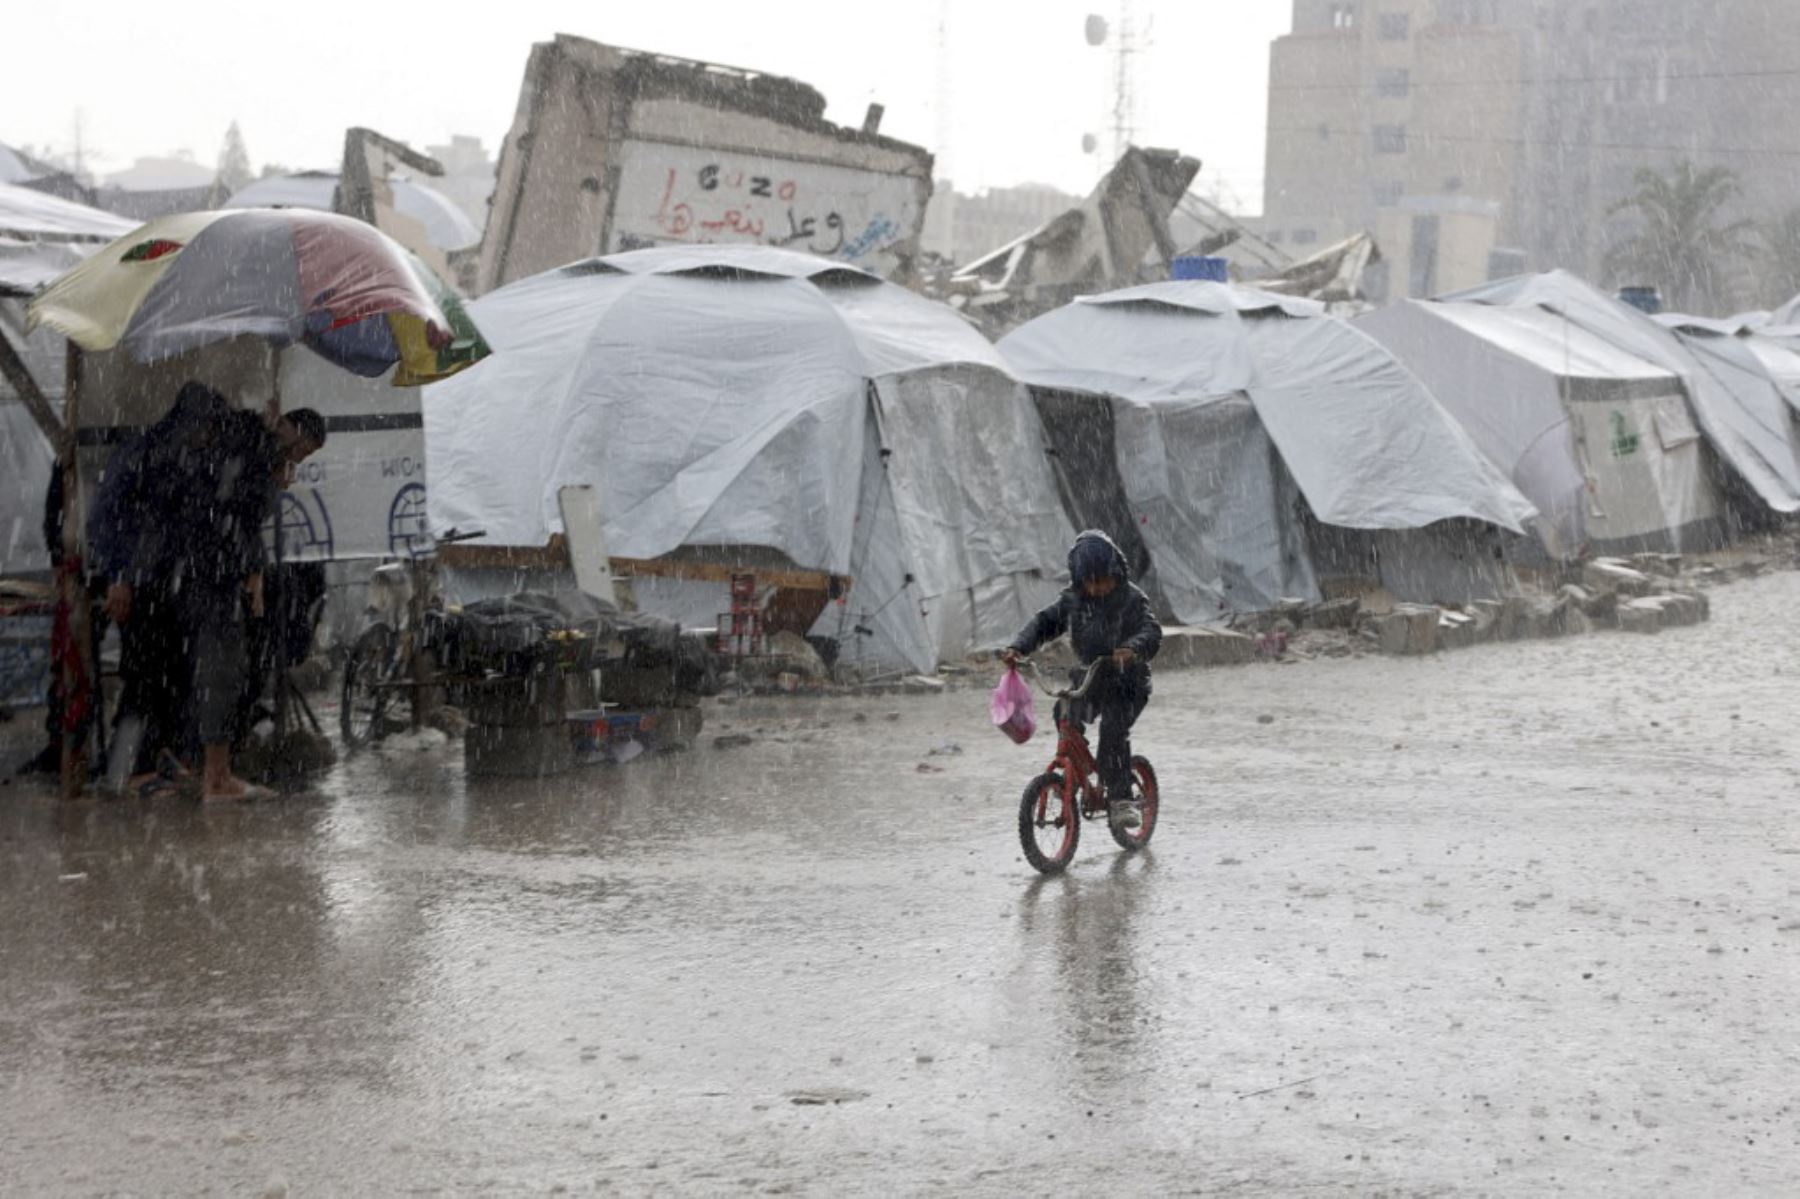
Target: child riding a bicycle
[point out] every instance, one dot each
(1106, 617)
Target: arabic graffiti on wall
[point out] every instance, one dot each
(671, 194)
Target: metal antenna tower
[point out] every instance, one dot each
(941, 102)
(1124, 106)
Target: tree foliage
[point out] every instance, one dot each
(234, 162)
(1682, 244)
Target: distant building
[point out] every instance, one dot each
(1485, 137)
(173, 173)
(961, 228)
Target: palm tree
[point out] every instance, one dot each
(1781, 267)
(1680, 245)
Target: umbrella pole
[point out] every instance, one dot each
(282, 711)
(77, 680)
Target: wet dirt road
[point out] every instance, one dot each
(1519, 919)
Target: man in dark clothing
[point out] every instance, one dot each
(1105, 617)
(135, 544)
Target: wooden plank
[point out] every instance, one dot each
(74, 590)
(13, 367)
(555, 556)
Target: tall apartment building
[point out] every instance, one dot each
(1485, 137)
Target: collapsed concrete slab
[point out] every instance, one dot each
(614, 149)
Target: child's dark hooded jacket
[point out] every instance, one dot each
(1097, 627)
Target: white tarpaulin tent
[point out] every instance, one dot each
(1600, 440)
(750, 398)
(1743, 415)
(41, 236)
(1221, 402)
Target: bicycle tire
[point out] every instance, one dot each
(1149, 798)
(363, 703)
(1059, 812)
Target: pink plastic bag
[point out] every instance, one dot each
(1011, 708)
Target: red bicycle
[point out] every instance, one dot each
(1057, 801)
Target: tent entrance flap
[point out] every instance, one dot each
(1220, 512)
(1086, 466)
(1650, 485)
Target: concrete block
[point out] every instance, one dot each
(1487, 618)
(1575, 622)
(1198, 646)
(1541, 618)
(1457, 630)
(1679, 611)
(1614, 574)
(1640, 616)
(1666, 565)
(1335, 614)
(1408, 629)
(1749, 568)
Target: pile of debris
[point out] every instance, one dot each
(1643, 594)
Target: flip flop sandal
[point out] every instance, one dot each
(251, 793)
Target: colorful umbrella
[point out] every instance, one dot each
(341, 287)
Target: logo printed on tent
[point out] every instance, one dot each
(1624, 441)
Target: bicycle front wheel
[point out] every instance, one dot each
(1143, 789)
(366, 699)
(1049, 825)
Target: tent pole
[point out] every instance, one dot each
(14, 369)
(71, 579)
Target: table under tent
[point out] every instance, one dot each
(751, 412)
(1599, 439)
(1740, 411)
(1248, 448)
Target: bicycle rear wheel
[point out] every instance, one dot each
(366, 699)
(1143, 789)
(1049, 825)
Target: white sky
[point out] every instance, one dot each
(150, 79)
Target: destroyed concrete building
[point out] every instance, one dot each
(614, 149)
(1098, 245)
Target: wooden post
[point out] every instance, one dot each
(16, 373)
(73, 582)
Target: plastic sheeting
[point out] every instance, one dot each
(1744, 419)
(31, 215)
(1229, 404)
(750, 397)
(26, 458)
(1516, 378)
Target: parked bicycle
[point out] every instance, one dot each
(384, 670)
(1057, 801)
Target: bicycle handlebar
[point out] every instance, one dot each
(1078, 691)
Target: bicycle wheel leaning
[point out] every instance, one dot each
(1143, 789)
(363, 706)
(1049, 825)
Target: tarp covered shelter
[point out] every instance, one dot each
(1598, 438)
(761, 402)
(1192, 417)
(41, 236)
(1743, 415)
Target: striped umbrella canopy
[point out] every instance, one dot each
(340, 287)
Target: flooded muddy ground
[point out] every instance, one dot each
(1516, 919)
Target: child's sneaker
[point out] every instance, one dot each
(1127, 814)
